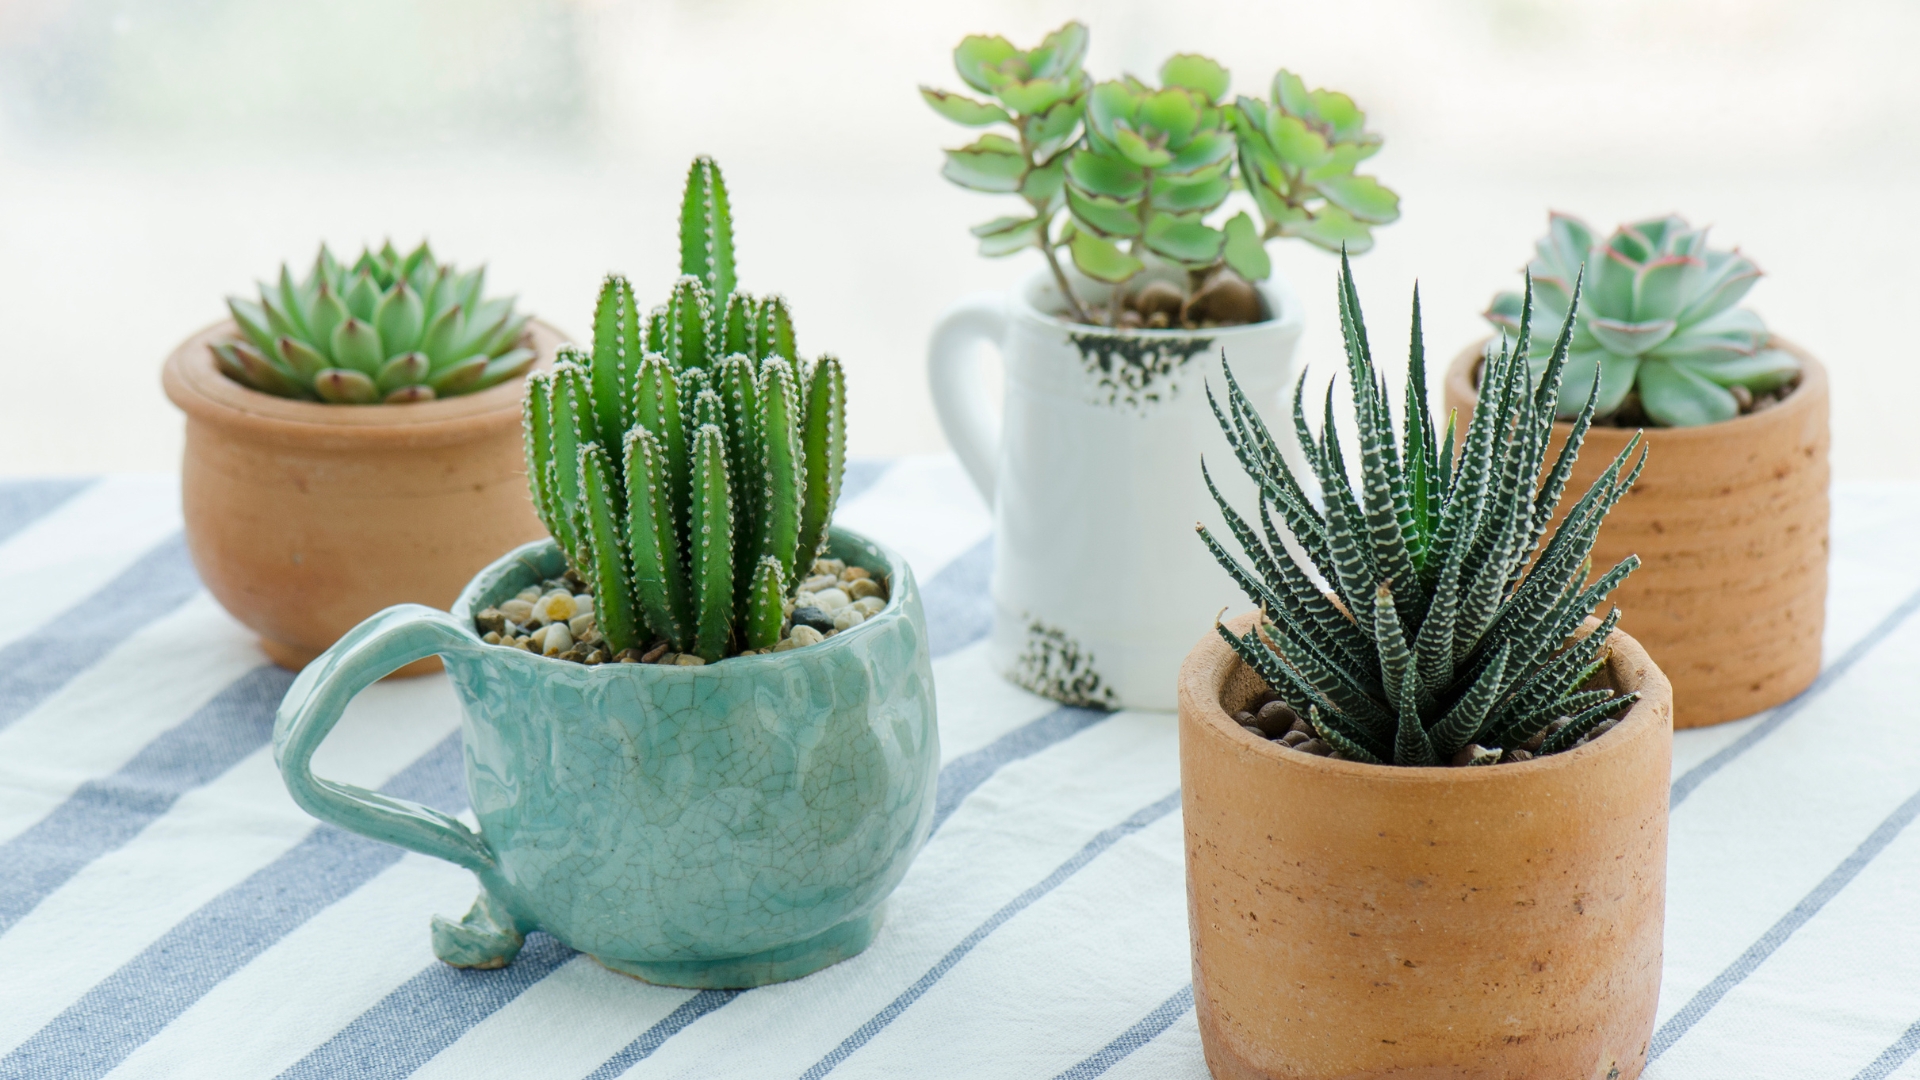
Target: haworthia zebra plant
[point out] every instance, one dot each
(688, 466)
(1443, 632)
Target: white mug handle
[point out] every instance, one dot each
(971, 423)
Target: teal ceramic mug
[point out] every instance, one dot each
(727, 825)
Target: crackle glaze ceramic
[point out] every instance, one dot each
(1099, 584)
(729, 825)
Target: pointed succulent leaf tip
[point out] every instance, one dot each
(1475, 638)
(706, 229)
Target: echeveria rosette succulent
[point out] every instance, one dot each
(1152, 165)
(1658, 316)
(1040, 93)
(689, 464)
(1415, 616)
(1297, 156)
(388, 328)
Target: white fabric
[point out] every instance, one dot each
(156, 881)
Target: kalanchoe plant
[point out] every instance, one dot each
(388, 328)
(688, 466)
(1659, 322)
(1138, 168)
(1446, 637)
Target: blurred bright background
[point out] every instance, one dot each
(157, 156)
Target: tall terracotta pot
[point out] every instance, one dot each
(1357, 921)
(1730, 523)
(304, 519)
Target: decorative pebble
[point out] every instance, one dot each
(862, 588)
(580, 624)
(783, 645)
(830, 567)
(1243, 717)
(1276, 718)
(870, 606)
(1303, 727)
(847, 618)
(556, 640)
(556, 606)
(654, 654)
(529, 594)
(805, 635)
(687, 659)
(831, 600)
(1295, 738)
(518, 610)
(1516, 755)
(491, 637)
(1315, 747)
(1475, 754)
(491, 620)
(818, 583)
(1251, 730)
(582, 603)
(813, 616)
(630, 656)
(855, 573)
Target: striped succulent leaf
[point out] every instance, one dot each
(1433, 614)
(686, 465)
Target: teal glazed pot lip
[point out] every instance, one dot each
(528, 558)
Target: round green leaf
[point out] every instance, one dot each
(1184, 239)
(1107, 217)
(978, 57)
(964, 110)
(1102, 174)
(1361, 196)
(1677, 397)
(1197, 73)
(1101, 260)
(986, 165)
(1244, 252)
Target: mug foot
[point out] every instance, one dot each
(487, 937)
(789, 962)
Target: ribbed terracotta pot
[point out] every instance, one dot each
(1355, 921)
(1730, 523)
(303, 519)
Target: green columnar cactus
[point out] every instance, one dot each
(1297, 156)
(1138, 169)
(389, 328)
(1445, 630)
(1660, 320)
(689, 465)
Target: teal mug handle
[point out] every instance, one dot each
(377, 647)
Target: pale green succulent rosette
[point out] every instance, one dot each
(1658, 316)
(388, 328)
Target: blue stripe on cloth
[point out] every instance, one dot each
(1892, 1057)
(93, 1035)
(105, 813)
(959, 609)
(959, 777)
(1710, 995)
(22, 502)
(1135, 1037)
(1140, 819)
(1694, 777)
(643, 1047)
(861, 474)
(34, 667)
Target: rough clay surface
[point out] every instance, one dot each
(688, 817)
(1730, 523)
(1362, 922)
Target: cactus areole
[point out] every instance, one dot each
(689, 464)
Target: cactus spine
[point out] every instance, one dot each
(689, 465)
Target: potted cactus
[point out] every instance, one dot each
(699, 720)
(1426, 808)
(1123, 186)
(352, 442)
(1730, 520)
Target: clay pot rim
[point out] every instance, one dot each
(1466, 363)
(1276, 292)
(195, 384)
(1200, 697)
(899, 574)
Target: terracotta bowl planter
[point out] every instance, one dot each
(1730, 523)
(1359, 921)
(303, 519)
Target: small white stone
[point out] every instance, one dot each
(582, 602)
(529, 594)
(492, 637)
(861, 588)
(804, 635)
(556, 606)
(558, 639)
(829, 566)
(847, 618)
(783, 645)
(687, 659)
(803, 598)
(538, 637)
(831, 600)
(818, 582)
(518, 611)
(581, 625)
(869, 606)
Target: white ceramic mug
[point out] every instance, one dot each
(1092, 469)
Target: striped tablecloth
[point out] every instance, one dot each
(166, 911)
